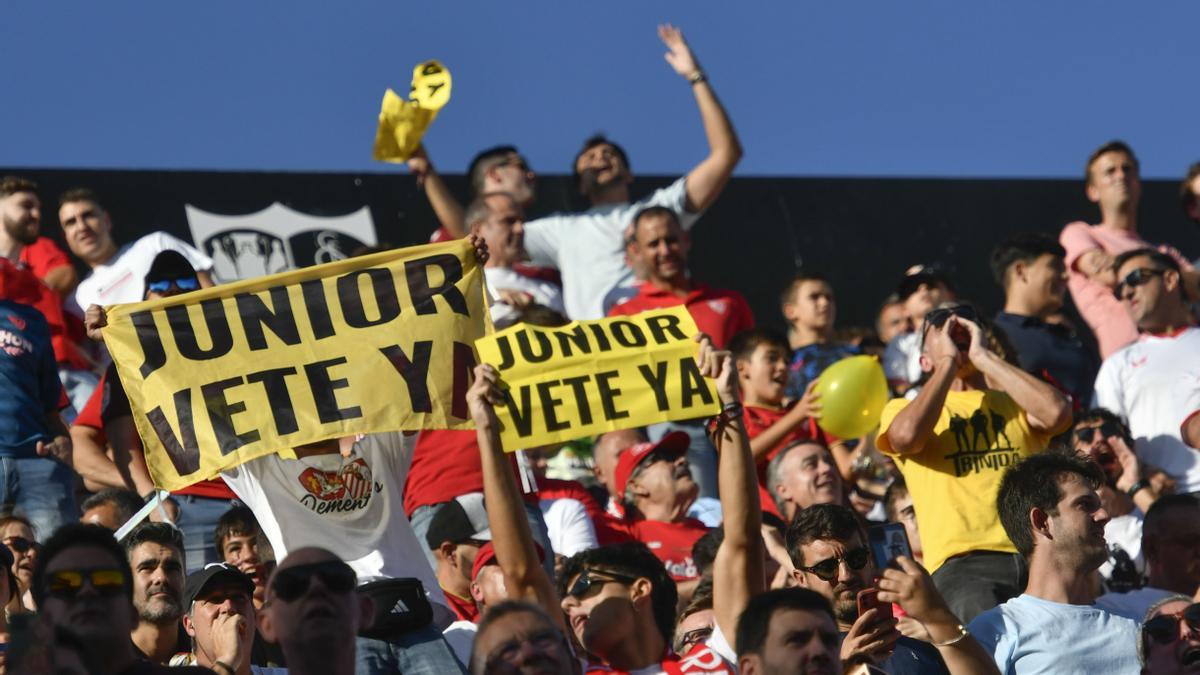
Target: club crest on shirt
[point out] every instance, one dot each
(719, 306)
(979, 446)
(347, 489)
(17, 321)
(13, 344)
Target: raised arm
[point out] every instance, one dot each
(1046, 408)
(739, 569)
(706, 180)
(524, 578)
(913, 425)
(447, 209)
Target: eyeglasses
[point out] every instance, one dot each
(1106, 429)
(1134, 279)
(1164, 628)
(585, 581)
(66, 583)
(292, 582)
(184, 284)
(506, 653)
(692, 637)
(827, 569)
(18, 544)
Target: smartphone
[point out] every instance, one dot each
(869, 598)
(887, 542)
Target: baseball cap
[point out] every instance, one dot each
(487, 556)
(460, 519)
(211, 574)
(676, 442)
(917, 275)
(169, 264)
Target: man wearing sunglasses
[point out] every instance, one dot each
(976, 415)
(1154, 383)
(1170, 639)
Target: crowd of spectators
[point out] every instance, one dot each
(1045, 489)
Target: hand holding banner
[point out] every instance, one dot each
(589, 377)
(220, 376)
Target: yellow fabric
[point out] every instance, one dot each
(402, 123)
(222, 375)
(954, 479)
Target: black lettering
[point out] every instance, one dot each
(324, 391)
(661, 325)
(278, 398)
(628, 334)
(415, 372)
(550, 405)
(153, 355)
(221, 412)
(576, 336)
(546, 350)
(521, 414)
(581, 398)
(691, 382)
(184, 451)
(506, 353)
(464, 363)
(657, 379)
(416, 272)
(383, 287)
(608, 395)
(602, 342)
(317, 306)
(255, 314)
(215, 321)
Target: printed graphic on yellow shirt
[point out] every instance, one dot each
(982, 443)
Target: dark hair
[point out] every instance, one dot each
(1153, 522)
(1033, 483)
(893, 493)
(238, 521)
(1111, 146)
(11, 185)
(756, 619)
(484, 162)
(1187, 197)
(1025, 247)
(541, 315)
(785, 298)
(79, 194)
(1162, 260)
(651, 212)
(744, 343)
(126, 502)
(630, 559)
(821, 521)
(78, 535)
(704, 551)
(479, 210)
(163, 534)
(500, 610)
(591, 142)
(1102, 415)
(9, 518)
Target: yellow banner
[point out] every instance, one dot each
(402, 123)
(594, 376)
(226, 374)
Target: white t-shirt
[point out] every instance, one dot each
(1028, 635)
(1134, 604)
(1126, 532)
(902, 358)
(123, 278)
(568, 526)
(352, 506)
(588, 247)
(460, 635)
(1154, 383)
(504, 278)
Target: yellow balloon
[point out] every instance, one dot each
(853, 392)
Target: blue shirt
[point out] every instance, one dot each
(810, 361)
(1053, 350)
(29, 385)
(1028, 635)
(912, 657)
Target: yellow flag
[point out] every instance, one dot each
(402, 123)
(220, 376)
(594, 376)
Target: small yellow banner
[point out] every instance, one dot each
(220, 376)
(402, 123)
(589, 377)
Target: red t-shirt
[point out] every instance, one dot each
(43, 257)
(553, 488)
(719, 313)
(464, 608)
(25, 287)
(669, 542)
(699, 659)
(445, 464)
(758, 420)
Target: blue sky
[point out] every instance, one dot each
(937, 88)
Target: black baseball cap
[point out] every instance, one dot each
(169, 265)
(463, 518)
(921, 274)
(211, 574)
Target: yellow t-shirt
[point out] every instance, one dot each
(954, 479)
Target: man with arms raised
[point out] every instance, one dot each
(1050, 509)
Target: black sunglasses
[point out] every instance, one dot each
(1106, 429)
(938, 317)
(184, 284)
(292, 582)
(827, 569)
(18, 544)
(1164, 629)
(585, 581)
(1134, 279)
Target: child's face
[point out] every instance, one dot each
(764, 375)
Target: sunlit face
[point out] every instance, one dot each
(241, 551)
(513, 176)
(843, 590)
(808, 475)
(798, 642)
(1078, 526)
(504, 230)
(157, 582)
(604, 617)
(1144, 302)
(219, 600)
(924, 299)
(665, 478)
(907, 515)
(87, 229)
(524, 643)
(1180, 656)
(601, 167)
(488, 588)
(892, 321)
(18, 537)
(812, 305)
(660, 247)
(21, 216)
(605, 453)
(1100, 449)
(1114, 181)
(1045, 280)
(764, 376)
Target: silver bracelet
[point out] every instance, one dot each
(962, 633)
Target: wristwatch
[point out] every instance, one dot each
(1137, 487)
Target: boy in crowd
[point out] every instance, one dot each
(920, 290)
(810, 310)
(240, 544)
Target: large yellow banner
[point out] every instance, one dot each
(594, 376)
(377, 343)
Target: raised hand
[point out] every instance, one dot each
(419, 165)
(484, 395)
(978, 349)
(941, 345)
(717, 364)
(95, 319)
(808, 405)
(872, 635)
(912, 588)
(679, 55)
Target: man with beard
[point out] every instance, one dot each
(802, 474)
(1170, 637)
(829, 550)
(20, 243)
(1049, 507)
(155, 553)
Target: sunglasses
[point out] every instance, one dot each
(18, 544)
(827, 569)
(692, 637)
(1164, 628)
(1134, 279)
(938, 317)
(182, 283)
(292, 582)
(66, 583)
(585, 581)
(1106, 430)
